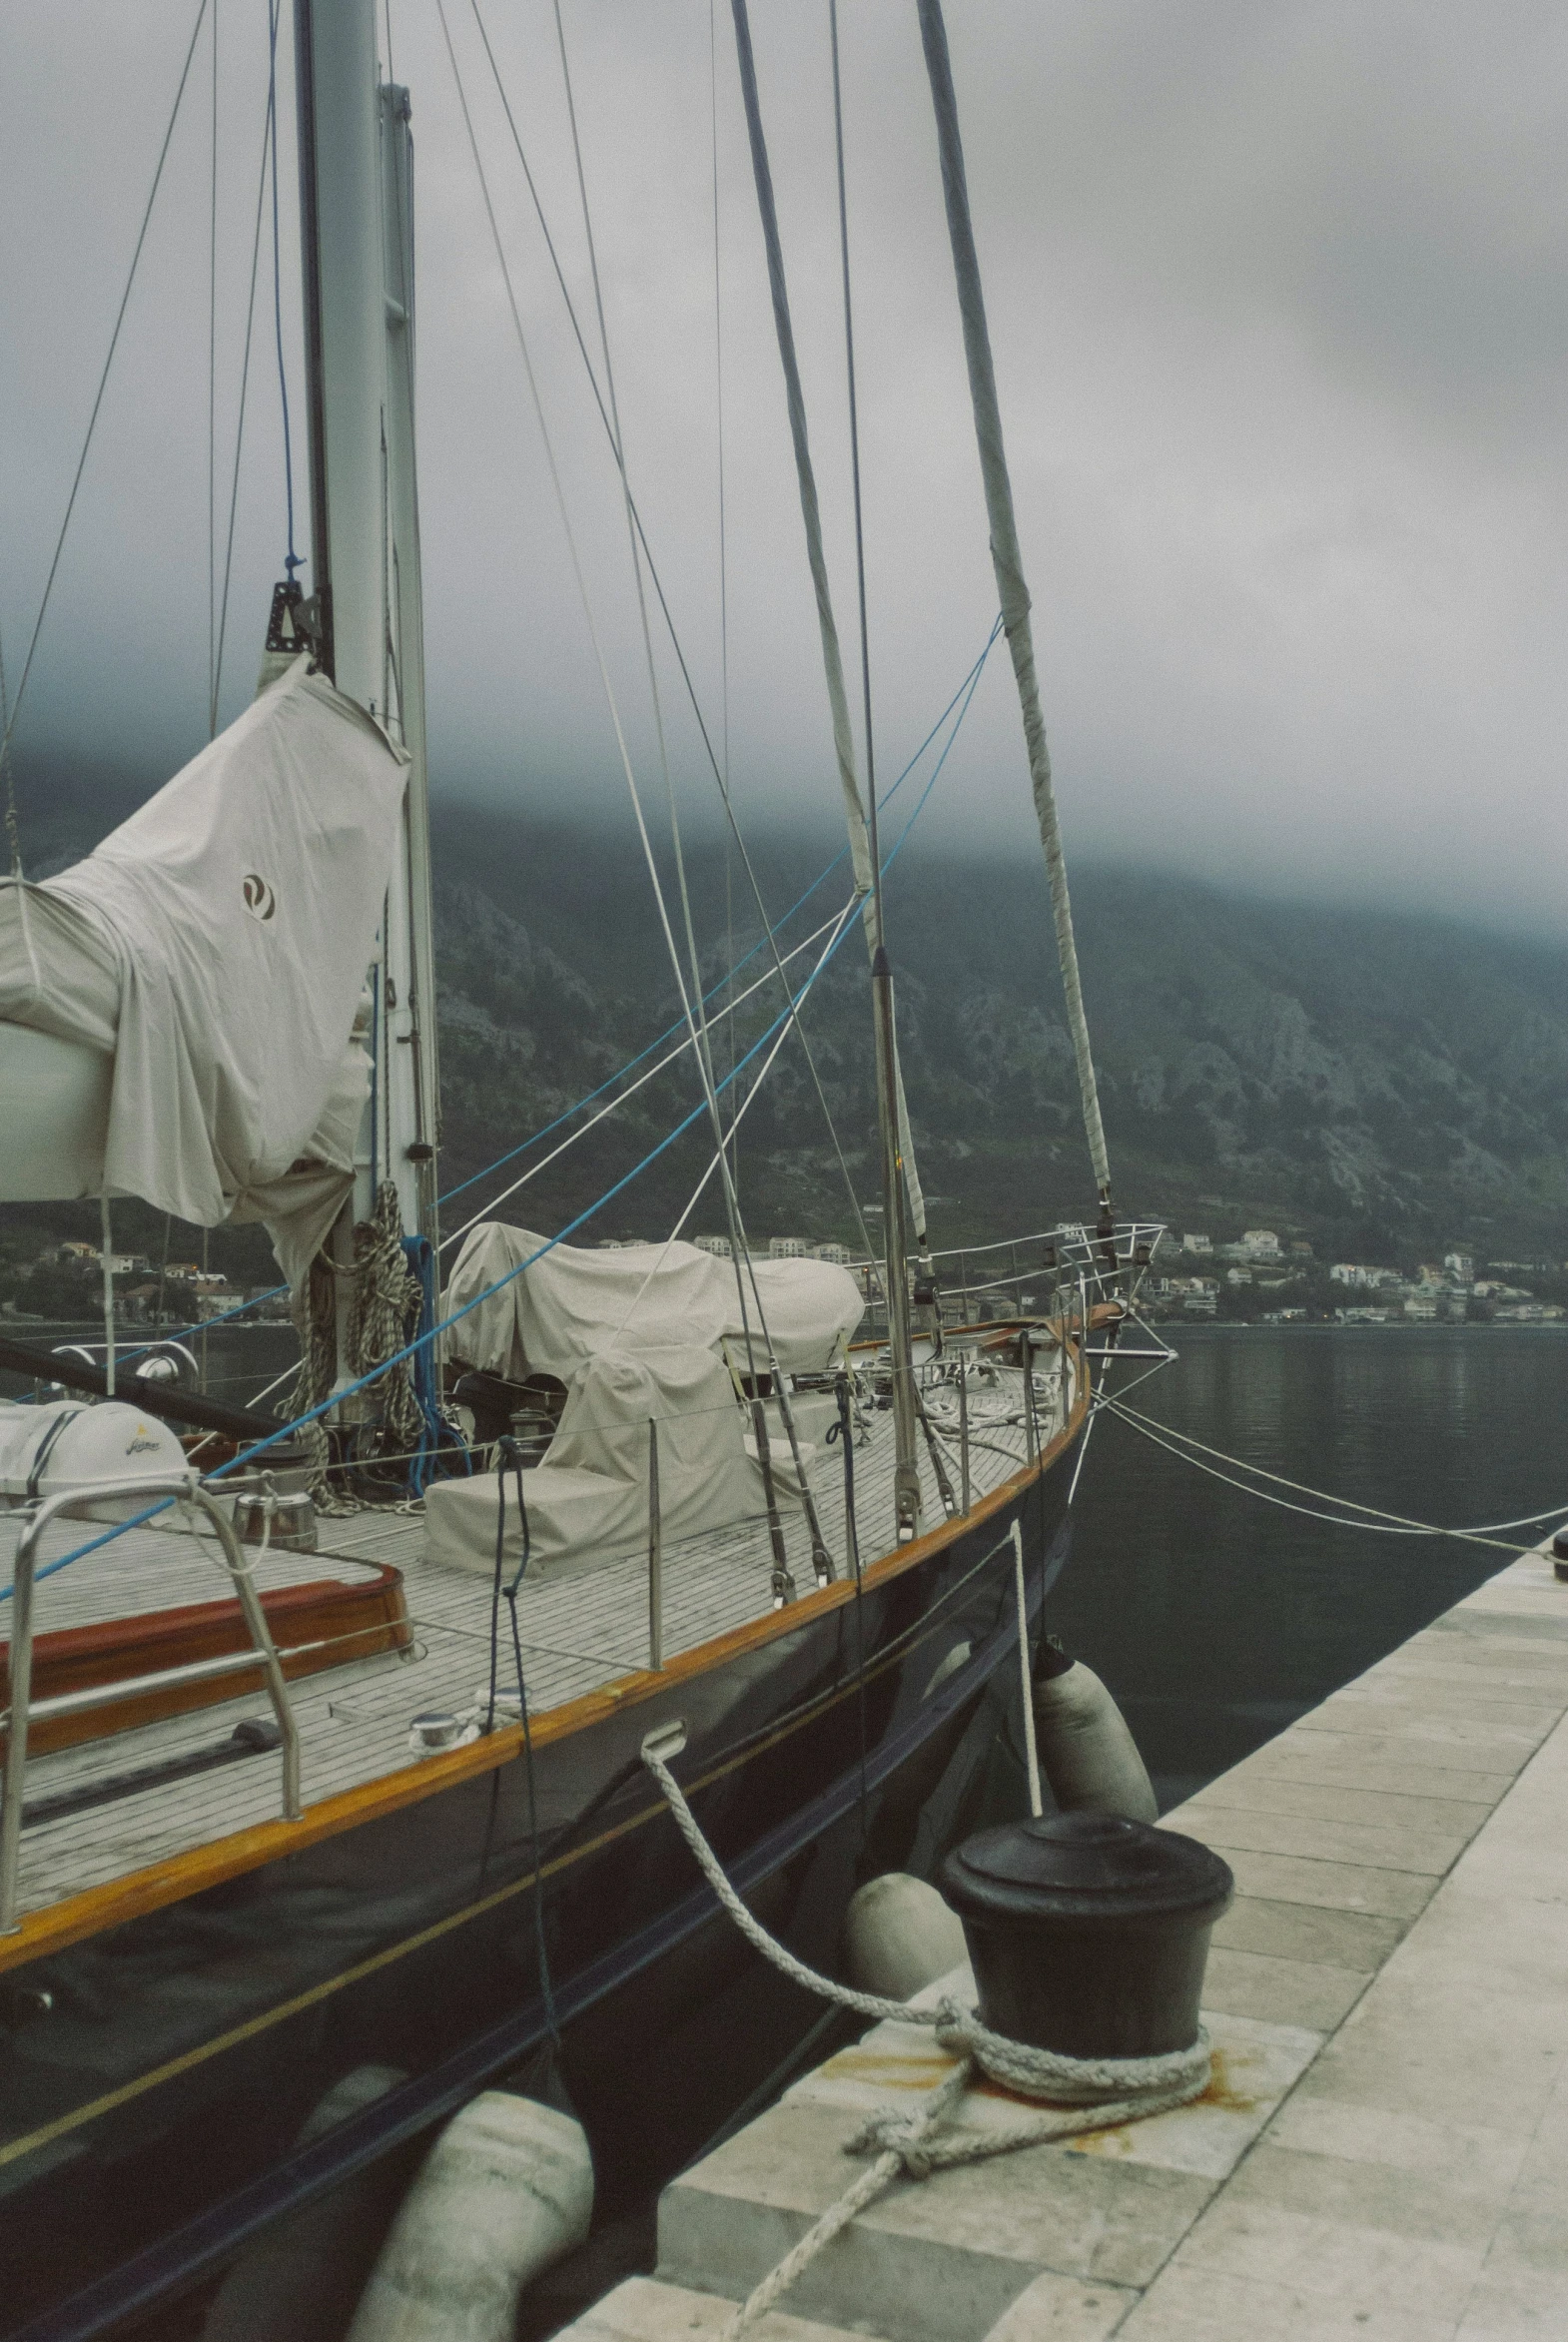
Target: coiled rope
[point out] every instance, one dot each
(1085, 2093)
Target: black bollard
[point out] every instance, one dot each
(1088, 1934)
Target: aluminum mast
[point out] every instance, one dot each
(357, 240)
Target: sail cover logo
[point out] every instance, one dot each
(260, 900)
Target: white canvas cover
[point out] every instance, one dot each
(574, 1304)
(588, 1499)
(215, 945)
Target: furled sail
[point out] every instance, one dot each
(207, 962)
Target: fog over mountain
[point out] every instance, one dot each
(1275, 298)
(1380, 1081)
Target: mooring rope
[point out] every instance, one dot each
(1085, 2094)
(1189, 1450)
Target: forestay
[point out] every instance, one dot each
(214, 947)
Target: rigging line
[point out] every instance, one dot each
(1404, 1521)
(620, 457)
(843, 741)
(854, 459)
(741, 1113)
(701, 1028)
(723, 548)
(719, 773)
(698, 1032)
(713, 991)
(292, 559)
(431, 1334)
(13, 830)
(1376, 1529)
(239, 435)
(212, 412)
(862, 848)
(606, 419)
(679, 1051)
(103, 380)
(565, 517)
(494, 1201)
(1006, 558)
(732, 1202)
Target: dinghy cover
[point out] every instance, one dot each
(216, 947)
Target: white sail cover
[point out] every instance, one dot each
(215, 946)
(639, 1333)
(576, 1304)
(588, 1499)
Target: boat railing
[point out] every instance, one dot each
(24, 1712)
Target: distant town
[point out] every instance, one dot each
(1278, 1280)
(65, 1282)
(1259, 1278)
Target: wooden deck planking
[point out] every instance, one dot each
(581, 1628)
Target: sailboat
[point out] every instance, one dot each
(307, 1838)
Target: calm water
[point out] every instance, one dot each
(1216, 1619)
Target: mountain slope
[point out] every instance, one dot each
(1381, 1082)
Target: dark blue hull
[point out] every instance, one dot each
(148, 2117)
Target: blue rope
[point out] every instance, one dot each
(425, 1340)
(292, 559)
(965, 692)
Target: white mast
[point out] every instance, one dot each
(357, 237)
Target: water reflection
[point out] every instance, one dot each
(1217, 1619)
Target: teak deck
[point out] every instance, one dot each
(584, 1628)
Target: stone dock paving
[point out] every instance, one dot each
(1382, 2155)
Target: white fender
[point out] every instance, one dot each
(899, 1937)
(300, 2280)
(507, 2189)
(1085, 1750)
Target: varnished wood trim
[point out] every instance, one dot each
(352, 1620)
(152, 1888)
(13, 2150)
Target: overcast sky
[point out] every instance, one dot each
(1276, 293)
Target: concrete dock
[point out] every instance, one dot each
(1382, 2155)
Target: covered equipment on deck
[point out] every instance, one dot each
(640, 1334)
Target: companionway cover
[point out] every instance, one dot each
(215, 946)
